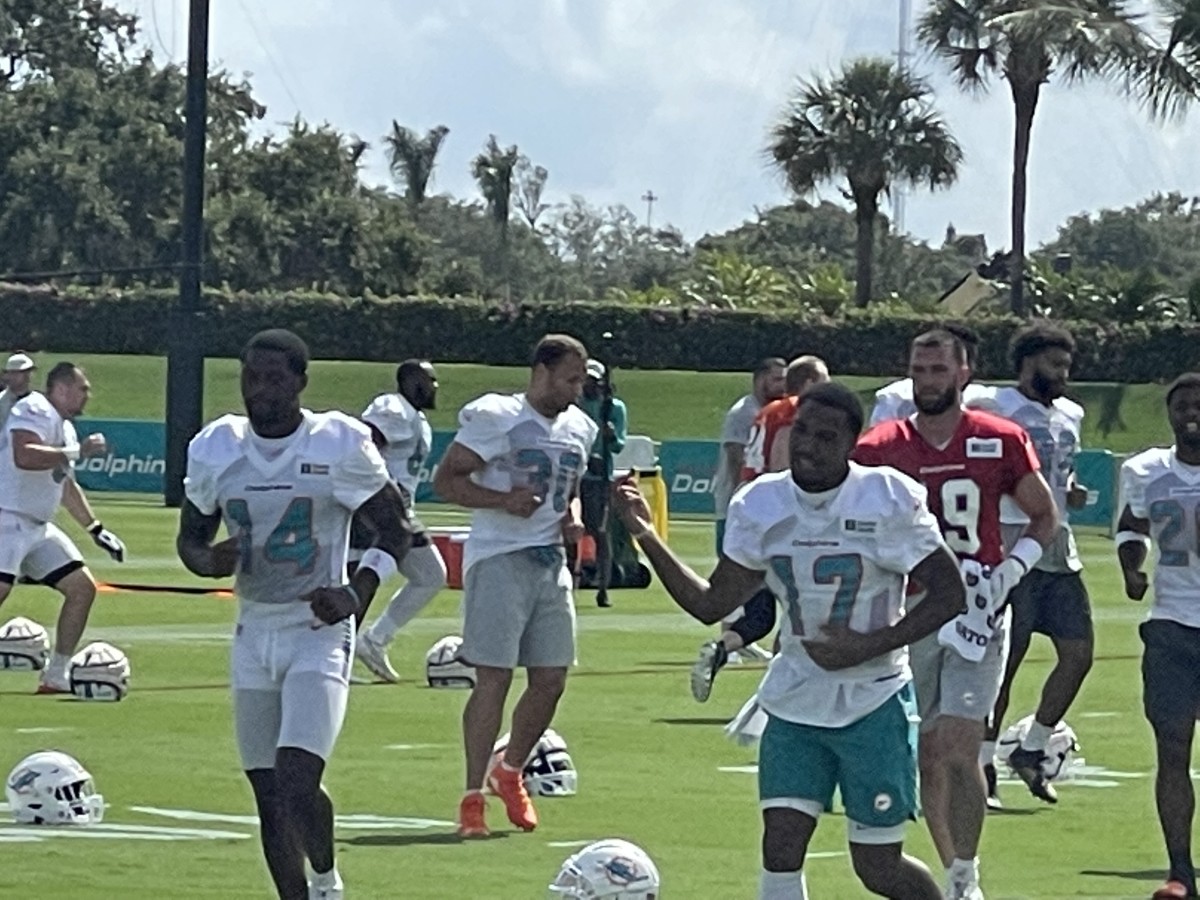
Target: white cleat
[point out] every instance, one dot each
(964, 890)
(374, 656)
(756, 652)
(326, 887)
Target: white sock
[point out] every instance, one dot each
(964, 869)
(330, 879)
(59, 666)
(782, 886)
(1038, 736)
(987, 753)
(426, 575)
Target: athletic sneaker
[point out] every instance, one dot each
(712, 657)
(1172, 890)
(964, 890)
(471, 822)
(756, 652)
(50, 685)
(993, 794)
(509, 786)
(326, 887)
(1028, 766)
(373, 655)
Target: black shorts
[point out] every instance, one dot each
(1055, 604)
(363, 537)
(1170, 676)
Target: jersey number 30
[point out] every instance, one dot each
(290, 541)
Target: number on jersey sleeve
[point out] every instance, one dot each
(291, 540)
(960, 515)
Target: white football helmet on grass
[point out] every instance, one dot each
(1063, 744)
(611, 869)
(100, 671)
(443, 668)
(52, 788)
(24, 645)
(549, 771)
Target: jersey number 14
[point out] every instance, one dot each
(290, 541)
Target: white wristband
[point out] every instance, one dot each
(71, 453)
(1133, 537)
(382, 563)
(1027, 552)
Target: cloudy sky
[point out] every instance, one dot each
(617, 97)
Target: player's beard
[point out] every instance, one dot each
(935, 406)
(1186, 438)
(1046, 387)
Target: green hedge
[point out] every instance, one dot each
(471, 331)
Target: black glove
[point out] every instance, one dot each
(107, 541)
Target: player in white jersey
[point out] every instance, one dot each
(17, 378)
(516, 461)
(402, 433)
(1160, 503)
(836, 540)
(286, 481)
(1051, 599)
(37, 475)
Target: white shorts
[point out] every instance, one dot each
(290, 687)
(39, 551)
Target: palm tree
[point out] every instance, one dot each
(411, 159)
(871, 125)
(1025, 42)
(494, 169)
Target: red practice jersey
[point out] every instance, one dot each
(985, 459)
(771, 419)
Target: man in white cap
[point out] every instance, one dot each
(17, 378)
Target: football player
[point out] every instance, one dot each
(836, 541)
(967, 460)
(37, 475)
(516, 461)
(1051, 599)
(1160, 503)
(766, 451)
(402, 433)
(285, 482)
(895, 400)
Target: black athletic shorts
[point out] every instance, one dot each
(1055, 604)
(1170, 675)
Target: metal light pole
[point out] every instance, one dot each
(185, 354)
(903, 53)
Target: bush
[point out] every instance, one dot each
(369, 328)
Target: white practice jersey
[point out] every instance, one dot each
(895, 400)
(408, 435)
(35, 494)
(735, 429)
(1155, 485)
(522, 448)
(845, 561)
(289, 501)
(1055, 431)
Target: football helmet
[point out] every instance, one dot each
(443, 668)
(52, 788)
(100, 671)
(24, 645)
(1063, 744)
(549, 771)
(611, 869)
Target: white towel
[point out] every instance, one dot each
(747, 726)
(968, 633)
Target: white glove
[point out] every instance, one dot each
(1003, 579)
(107, 541)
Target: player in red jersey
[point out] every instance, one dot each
(967, 460)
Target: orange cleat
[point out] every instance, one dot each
(46, 687)
(510, 787)
(471, 822)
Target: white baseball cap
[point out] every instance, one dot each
(595, 369)
(19, 362)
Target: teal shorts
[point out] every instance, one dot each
(873, 762)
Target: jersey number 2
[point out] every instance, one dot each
(290, 541)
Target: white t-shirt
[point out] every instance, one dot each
(408, 436)
(1055, 431)
(845, 559)
(1155, 485)
(522, 448)
(736, 428)
(895, 400)
(35, 494)
(289, 500)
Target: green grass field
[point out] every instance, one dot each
(662, 404)
(654, 765)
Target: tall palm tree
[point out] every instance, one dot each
(412, 157)
(1025, 42)
(494, 169)
(868, 126)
